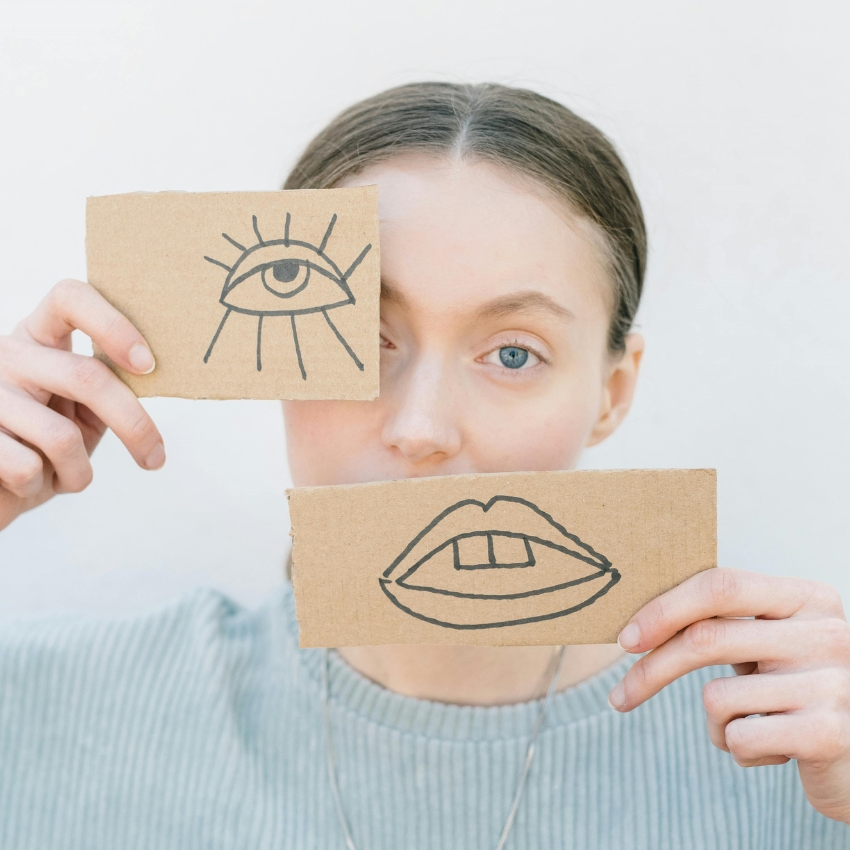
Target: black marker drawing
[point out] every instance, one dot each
(545, 572)
(272, 278)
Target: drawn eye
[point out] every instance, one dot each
(486, 565)
(285, 277)
(282, 277)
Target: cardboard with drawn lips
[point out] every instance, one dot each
(487, 565)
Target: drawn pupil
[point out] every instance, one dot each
(512, 356)
(286, 271)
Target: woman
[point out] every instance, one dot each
(513, 252)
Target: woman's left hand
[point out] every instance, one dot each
(790, 698)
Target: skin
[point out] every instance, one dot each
(474, 259)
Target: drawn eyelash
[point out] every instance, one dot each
(286, 269)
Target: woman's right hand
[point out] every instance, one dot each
(55, 405)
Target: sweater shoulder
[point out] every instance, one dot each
(64, 637)
(204, 633)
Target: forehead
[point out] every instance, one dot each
(457, 232)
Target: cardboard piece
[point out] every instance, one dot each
(245, 294)
(519, 558)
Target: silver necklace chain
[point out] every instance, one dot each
(529, 755)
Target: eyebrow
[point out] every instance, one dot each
(391, 295)
(522, 302)
(498, 308)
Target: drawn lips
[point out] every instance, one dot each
(448, 573)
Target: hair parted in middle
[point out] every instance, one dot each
(512, 127)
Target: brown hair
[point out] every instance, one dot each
(517, 128)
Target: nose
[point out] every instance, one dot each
(422, 421)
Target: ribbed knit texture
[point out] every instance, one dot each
(201, 726)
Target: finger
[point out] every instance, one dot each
(90, 424)
(93, 384)
(824, 642)
(806, 736)
(730, 697)
(58, 437)
(73, 304)
(725, 593)
(21, 468)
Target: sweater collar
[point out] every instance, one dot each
(363, 700)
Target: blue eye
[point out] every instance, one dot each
(513, 357)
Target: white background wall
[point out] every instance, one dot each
(732, 116)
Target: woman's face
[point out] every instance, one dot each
(495, 309)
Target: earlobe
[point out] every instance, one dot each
(619, 389)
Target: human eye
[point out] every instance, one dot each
(285, 277)
(514, 356)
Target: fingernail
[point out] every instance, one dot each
(141, 359)
(156, 458)
(617, 697)
(629, 638)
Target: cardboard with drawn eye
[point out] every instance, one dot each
(519, 558)
(245, 294)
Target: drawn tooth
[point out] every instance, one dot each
(510, 550)
(491, 550)
(472, 551)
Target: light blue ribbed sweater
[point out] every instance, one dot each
(200, 726)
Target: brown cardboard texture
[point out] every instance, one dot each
(517, 558)
(245, 294)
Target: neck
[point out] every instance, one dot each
(476, 675)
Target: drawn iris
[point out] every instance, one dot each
(286, 271)
(513, 356)
(285, 277)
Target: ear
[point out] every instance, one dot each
(619, 389)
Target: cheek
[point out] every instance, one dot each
(326, 440)
(533, 443)
(546, 432)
